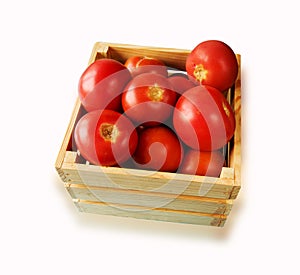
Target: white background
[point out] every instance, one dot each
(44, 48)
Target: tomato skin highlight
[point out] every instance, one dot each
(158, 149)
(105, 137)
(149, 99)
(208, 163)
(203, 118)
(101, 84)
(213, 63)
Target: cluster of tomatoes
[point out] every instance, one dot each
(139, 115)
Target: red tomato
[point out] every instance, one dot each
(181, 83)
(131, 62)
(202, 163)
(138, 65)
(149, 98)
(158, 149)
(213, 63)
(203, 118)
(105, 137)
(101, 85)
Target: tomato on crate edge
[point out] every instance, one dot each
(203, 118)
(213, 63)
(101, 84)
(105, 137)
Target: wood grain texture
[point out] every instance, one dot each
(236, 153)
(134, 179)
(159, 214)
(150, 199)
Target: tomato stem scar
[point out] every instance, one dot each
(200, 73)
(155, 93)
(109, 132)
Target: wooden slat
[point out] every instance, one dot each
(150, 199)
(160, 214)
(236, 154)
(114, 177)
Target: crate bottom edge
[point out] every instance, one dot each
(159, 214)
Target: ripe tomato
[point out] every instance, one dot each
(101, 84)
(105, 137)
(213, 63)
(202, 163)
(144, 64)
(131, 62)
(181, 83)
(158, 149)
(149, 98)
(203, 118)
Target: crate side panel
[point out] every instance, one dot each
(120, 179)
(151, 200)
(154, 214)
(236, 152)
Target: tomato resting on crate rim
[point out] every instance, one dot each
(105, 137)
(203, 118)
(101, 84)
(213, 63)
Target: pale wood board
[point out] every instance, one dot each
(114, 177)
(159, 214)
(236, 153)
(150, 199)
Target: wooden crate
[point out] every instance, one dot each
(151, 195)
